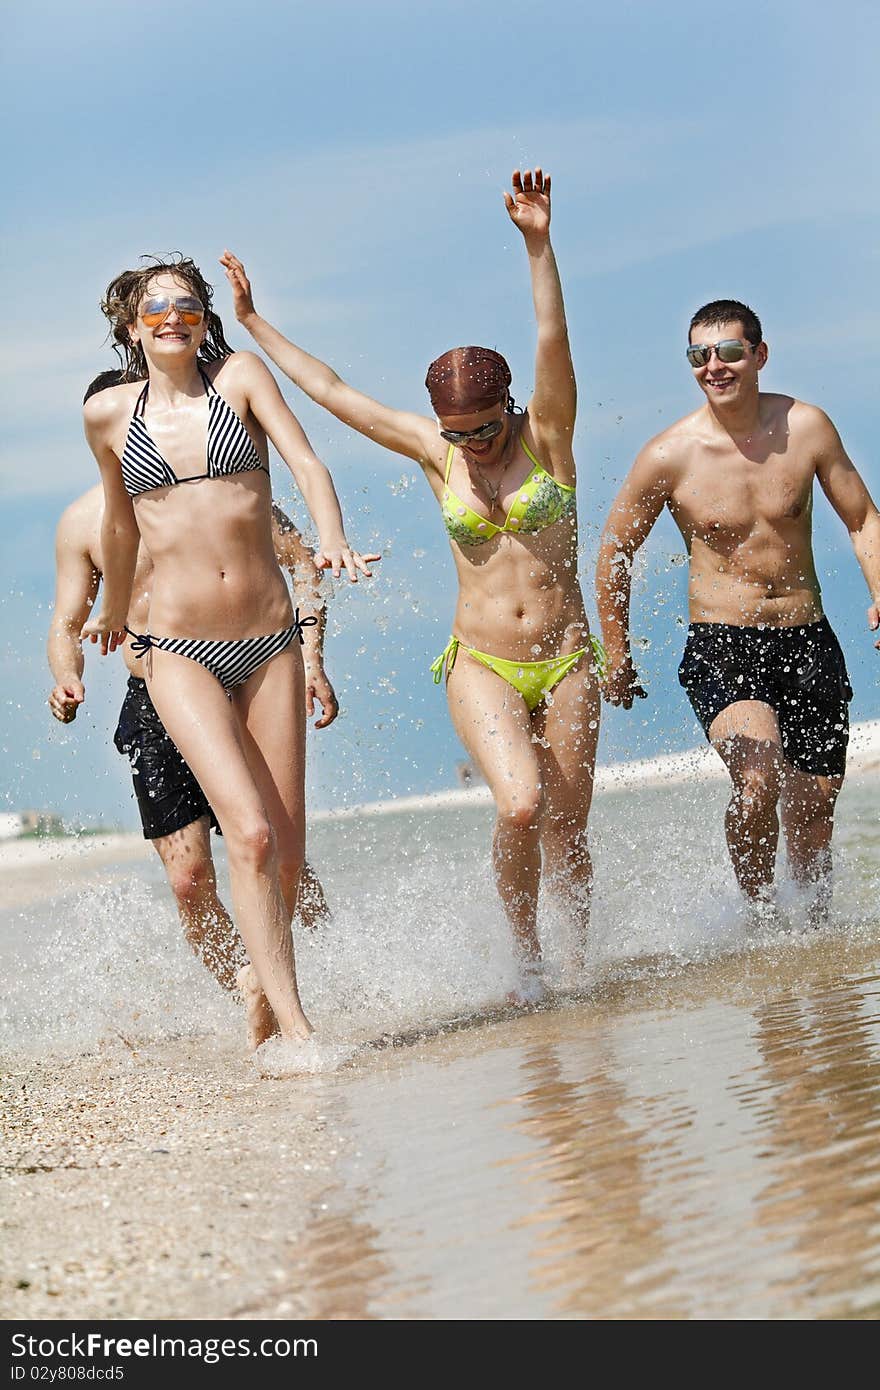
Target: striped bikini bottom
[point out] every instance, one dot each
(232, 662)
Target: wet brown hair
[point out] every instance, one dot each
(123, 298)
(466, 380)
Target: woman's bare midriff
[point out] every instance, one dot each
(229, 585)
(519, 596)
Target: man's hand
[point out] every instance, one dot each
(319, 688)
(66, 699)
(621, 684)
(874, 620)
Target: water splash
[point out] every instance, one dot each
(277, 1058)
(418, 938)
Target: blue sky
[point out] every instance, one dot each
(354, 156)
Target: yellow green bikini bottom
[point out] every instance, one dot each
(532, 679)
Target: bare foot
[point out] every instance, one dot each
(762, 913)
(302, 1031)
(280, 1057)
(531, 988)
(579, 956)
(820, 904)
(261, 1021)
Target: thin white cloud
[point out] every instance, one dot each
(373, 222)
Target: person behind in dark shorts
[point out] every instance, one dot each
(762, 668)
(175, 814)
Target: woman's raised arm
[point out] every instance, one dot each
(311, 476)
(399, 430)
(553, 406)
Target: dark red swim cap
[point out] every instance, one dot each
(466, 380)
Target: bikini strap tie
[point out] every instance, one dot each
(600, 657)
(447, 658)
(140, 642)
(299, 623)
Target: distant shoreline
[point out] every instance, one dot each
(667, 769)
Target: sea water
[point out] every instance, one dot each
(417, 935)
(689, 1129)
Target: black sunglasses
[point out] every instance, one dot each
(728, 350)
(487, 431)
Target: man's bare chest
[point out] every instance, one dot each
(736, 496)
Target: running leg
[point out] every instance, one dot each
(204, 725)
(189, 867)
(493, 723)
(271, 712)
(569, 727)
(312, 905)
(808, 821)
(746, 735)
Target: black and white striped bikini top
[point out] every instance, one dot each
(229, 449)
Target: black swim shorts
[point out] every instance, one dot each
(168, 795)
(799, 671)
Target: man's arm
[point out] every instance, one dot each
(294, 556)
(846, 491)
(76, 588)
(634, 511)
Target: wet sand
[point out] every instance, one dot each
(693, 1137)
(677, 1144)
(154, 1183)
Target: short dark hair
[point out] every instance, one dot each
(729, 311)
(104, 379)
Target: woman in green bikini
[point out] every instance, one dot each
(505, 483)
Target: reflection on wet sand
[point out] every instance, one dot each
(820, 1113)
(593, 1230)
(688, 1147)
(340, 1264)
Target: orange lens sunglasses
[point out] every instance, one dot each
(156, 310)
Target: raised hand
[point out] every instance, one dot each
(874, 620)
(242, 296)
(529, 204)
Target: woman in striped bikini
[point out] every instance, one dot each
(521, 667)
(182, 449)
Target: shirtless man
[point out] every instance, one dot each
(762, 668)
(174, 812)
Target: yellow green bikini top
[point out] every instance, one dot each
(540, 502)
